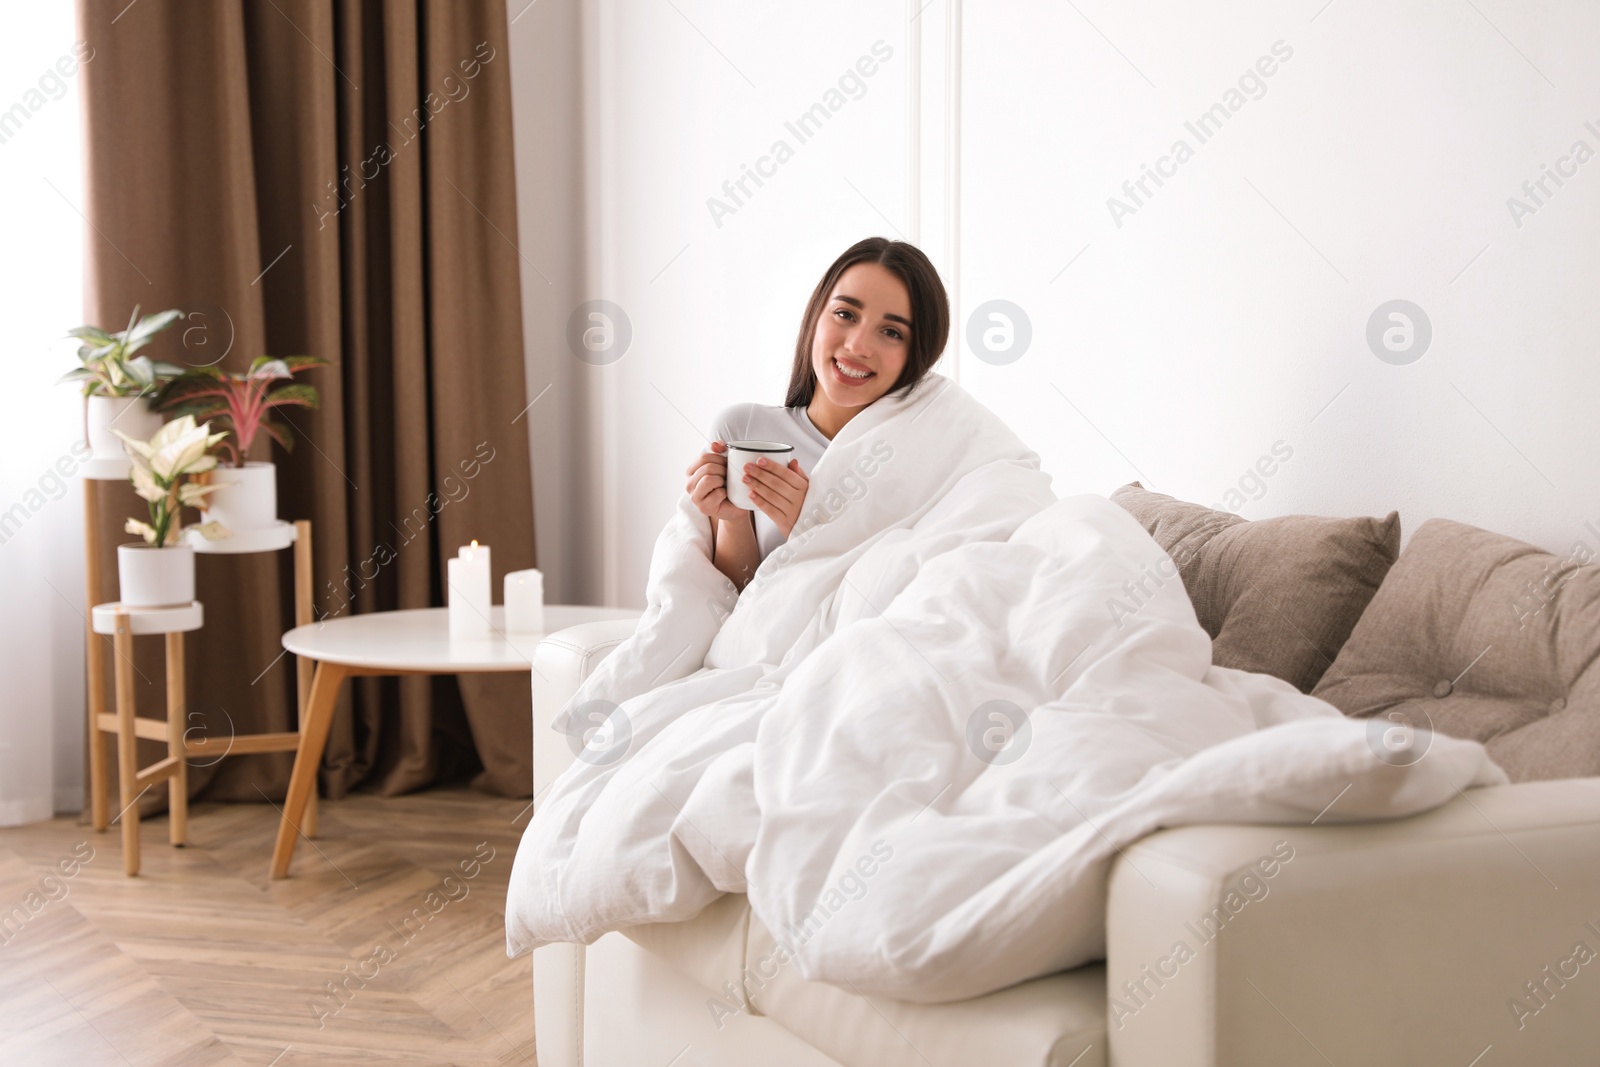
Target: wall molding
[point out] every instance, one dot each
(952, 175)
(913, 46)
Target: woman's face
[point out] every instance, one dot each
(864, 328)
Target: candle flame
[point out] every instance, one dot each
(474, 542)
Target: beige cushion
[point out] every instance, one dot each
(1058, 1020)
(1278, 595)
(1054, 1021)
(1486, 637)
(709, 948)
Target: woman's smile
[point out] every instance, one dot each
(850, 372)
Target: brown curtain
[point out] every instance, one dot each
(333, 179)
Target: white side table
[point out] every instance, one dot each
(102, 620)
(396, 642)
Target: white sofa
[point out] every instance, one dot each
(1393, 943)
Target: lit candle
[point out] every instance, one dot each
(477, 551)
(525, 602)
(467, 592)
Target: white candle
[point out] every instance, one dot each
(525, 602)
(477, 551)
(467, 592)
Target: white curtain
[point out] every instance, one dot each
(41, 496)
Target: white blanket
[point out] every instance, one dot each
(927, 726)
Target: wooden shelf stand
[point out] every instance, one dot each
(122, 625)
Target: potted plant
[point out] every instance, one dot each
(117, 382)
(160, 572)
(244, 403)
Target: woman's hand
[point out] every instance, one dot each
(779, 492)
(708, 485)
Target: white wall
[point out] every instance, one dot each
(546, 73)
(1229, 310)
(1227, 314)
(677, 98)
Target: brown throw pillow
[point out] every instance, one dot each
(1489, 638)
(1279, 595)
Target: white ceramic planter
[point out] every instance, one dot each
(130, 414)
(155, 577)
(250, 503)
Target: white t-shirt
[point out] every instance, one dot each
(770, 422)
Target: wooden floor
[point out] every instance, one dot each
(201, 960)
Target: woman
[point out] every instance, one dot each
(876, 324)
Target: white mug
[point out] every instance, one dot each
(742, 452)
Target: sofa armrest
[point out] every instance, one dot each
(560, 664)
(1399, 942)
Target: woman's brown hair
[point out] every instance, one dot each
(930, 313)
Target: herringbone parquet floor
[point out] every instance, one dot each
(386, 945)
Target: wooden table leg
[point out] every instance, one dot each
(99, 815)
(178, 784)
(99, 777)
(303, 667)
(308, 821)
(127, 743)
(325, 686)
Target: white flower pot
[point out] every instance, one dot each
(150, 577)
(129, 414)
(250, 503)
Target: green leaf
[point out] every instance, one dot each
(279, 432)
(130, 347)
(200, 410)
(128, 329)
(153, 324)
(300, 363)
(200, 382)
(90, 333)
(197, 377)
(140, 371)
(171, 399)
(268, 367)
(299, 395)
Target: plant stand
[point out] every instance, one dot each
(279, 536)
(123, 625)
